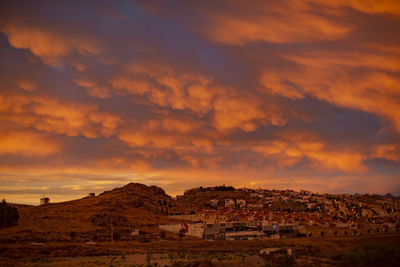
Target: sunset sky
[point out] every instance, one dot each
(300, 94)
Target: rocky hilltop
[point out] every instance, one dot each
(201, 196)
(150, 198)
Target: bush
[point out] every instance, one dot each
(8, 215)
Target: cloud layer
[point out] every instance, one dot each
(297, 94)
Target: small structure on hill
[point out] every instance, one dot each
(91, 195)
(44, 200)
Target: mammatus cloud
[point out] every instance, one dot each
(284, 94)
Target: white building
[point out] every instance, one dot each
(195, 229)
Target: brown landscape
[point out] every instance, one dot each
(98, 231)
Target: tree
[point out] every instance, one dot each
(8, 215)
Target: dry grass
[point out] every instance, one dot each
(308, 252)
(130, 207)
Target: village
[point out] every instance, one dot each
(274, 214)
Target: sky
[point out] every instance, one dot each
(300, 94)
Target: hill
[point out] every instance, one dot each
(134, 206)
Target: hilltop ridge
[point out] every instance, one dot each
(128, 207)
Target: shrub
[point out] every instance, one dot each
(8, 215)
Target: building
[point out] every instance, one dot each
(213, 231)
(193, 229)
(44, 200)
(233, 230)
(91, 195)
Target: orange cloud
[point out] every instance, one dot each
(286, 22)
(334, 77)
(290, 153)
(51, 115)
(93, 89)
(110, 164)
(388, 151)
(26, 85)
(48, 44)
(367, 6)
(167, 133)
(246, 113)
(165, 87)
(99, 91)
(27, 144)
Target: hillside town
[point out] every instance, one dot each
(265, 213)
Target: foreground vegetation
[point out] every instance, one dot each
(350, 251)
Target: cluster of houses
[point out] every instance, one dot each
(248, 230)
(286, 213)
